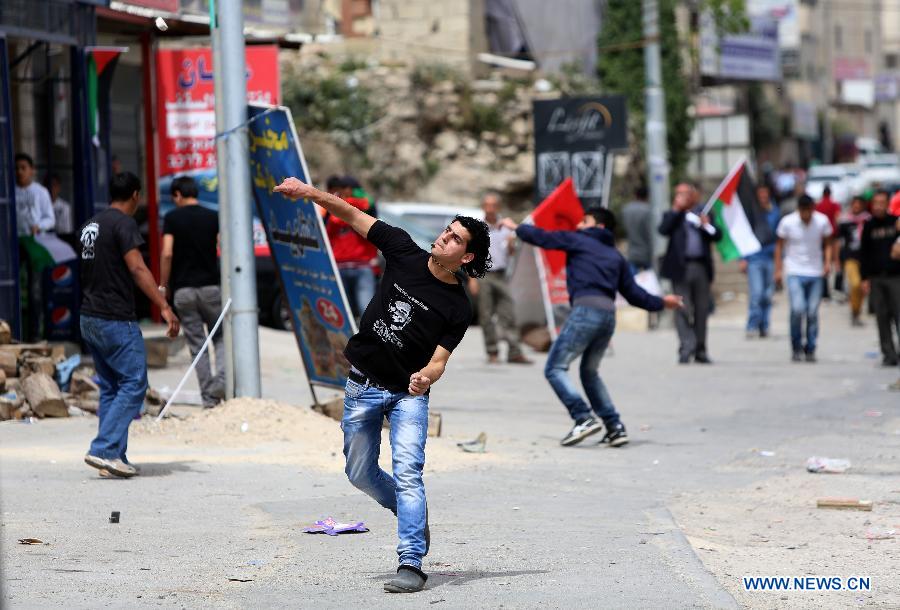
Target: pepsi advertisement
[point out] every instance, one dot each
(296, 235)
(61, 299)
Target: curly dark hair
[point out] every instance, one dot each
(479, 245)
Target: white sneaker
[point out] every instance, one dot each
(116, 467)
(581, 431)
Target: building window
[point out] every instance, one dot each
(838, 37)
(868, 41)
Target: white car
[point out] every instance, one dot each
(833, 176)
(879, 170)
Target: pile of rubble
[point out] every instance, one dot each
(29, 381)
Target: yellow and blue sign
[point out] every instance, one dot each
(296, 234)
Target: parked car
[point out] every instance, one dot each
(833, 176)
(878, 170)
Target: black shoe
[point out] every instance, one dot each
(409, 579)
(702, 358)
(581, 431)
(615, 436)
(888, 361)
(797, 356)
(684, 359)
(763, 333)
(811, 357)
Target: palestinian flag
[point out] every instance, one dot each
(101, 63)
(739, 216)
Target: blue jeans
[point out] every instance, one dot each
(359, 284)
(761, 281)
(121, 363)
(586, 333)
(365, 408)
(805, 293)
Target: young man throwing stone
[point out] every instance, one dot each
(595, 271)
(418, 316)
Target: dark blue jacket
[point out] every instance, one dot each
(593, 265)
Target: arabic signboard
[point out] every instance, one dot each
(752, 56)
(309, 279)
(571, 138)
(186, 119)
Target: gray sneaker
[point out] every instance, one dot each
(116, 467)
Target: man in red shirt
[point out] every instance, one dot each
(353, 254)
(832, 211)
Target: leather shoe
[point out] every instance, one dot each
(519, 359)
(702, 359)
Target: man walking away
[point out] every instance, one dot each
(638, 220)
(595, 271)
(111, 267)
(760, 270)
(803, 253)
(881, 273)
(418, 316)
(688, 264)
(850, 233)
(493, 291)
(189, 271)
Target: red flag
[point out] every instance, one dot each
(560, 211)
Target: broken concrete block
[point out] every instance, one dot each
(43, 396)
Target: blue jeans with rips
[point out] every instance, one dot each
(805, 294)
(761, 284)
(121, 363)
(365, 407)
(586, 333)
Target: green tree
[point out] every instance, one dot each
(620, 67)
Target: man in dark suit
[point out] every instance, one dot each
(688, 264)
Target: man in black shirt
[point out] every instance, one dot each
(190, 273)
(111, 266)
(881, 274)
(418, 316)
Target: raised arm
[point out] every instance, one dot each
(358, 220)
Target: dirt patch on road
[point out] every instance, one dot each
(286, 434)
(773, 528)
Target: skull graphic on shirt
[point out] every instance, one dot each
(88, 238)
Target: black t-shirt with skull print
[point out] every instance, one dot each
(107, 287)
(412, 313)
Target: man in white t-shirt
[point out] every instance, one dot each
(34, 208)
(493, 290)
(804, 253)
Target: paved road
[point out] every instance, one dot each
(583, 527)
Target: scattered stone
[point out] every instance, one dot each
(5, 332)
(43, 396)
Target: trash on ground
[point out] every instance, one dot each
(873, 413)
(114, 516)
(240, 579)
(245, 426)
(333, 528)
(880, 534)
(476, 446)
(30, 541)
(846, 503)
(767, 453)
(827, 465)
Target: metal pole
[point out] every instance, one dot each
(222, 178)
(657, 157)
(237, 196)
